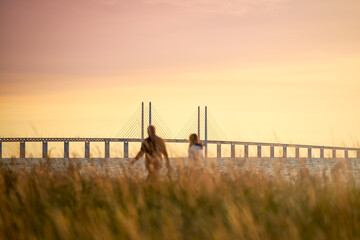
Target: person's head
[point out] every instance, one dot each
(151, 130)
(194, 139)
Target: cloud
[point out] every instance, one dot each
(237, 7)
(108, 2)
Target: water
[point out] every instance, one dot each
(289, 167)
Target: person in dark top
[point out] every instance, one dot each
(154, 148)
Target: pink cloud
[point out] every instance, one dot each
(237, 7)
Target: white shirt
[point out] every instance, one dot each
(196, 155)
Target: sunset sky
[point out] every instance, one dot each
(268, 70)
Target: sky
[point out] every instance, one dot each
(269, 70)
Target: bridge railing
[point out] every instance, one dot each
(219, 144)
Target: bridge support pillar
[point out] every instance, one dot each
(87, 149)
(142, 121)
(297, 152)
(272, 152)
(199, 122)
(107, 149)
(346, 153)
(44, 149)
(22, 149)
(284, 152)
(259, 151)
(334, 153)
(149, 113)
(0, 150)
(358, 154)
(126, 150)
(232, 150)
(321, 153)
(309, 153)
(218, 151)
(66, 149)
(246, 151)
(205, 135)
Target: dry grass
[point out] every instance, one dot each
(76, 202)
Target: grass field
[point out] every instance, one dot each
(84, 202)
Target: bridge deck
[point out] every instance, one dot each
(172, 141)
(126, 142)
(10, 160)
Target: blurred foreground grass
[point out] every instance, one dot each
(79, 202)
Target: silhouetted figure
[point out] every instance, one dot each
(195, 151)
(153, 147)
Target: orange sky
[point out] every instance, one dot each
(269, 70)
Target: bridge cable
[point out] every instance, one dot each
(216, 127)
(133, 130)
(189, 126)
(129, 123)
(162, 125)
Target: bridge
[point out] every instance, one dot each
(134, 131)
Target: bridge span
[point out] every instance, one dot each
(260, 145)
(134, 131)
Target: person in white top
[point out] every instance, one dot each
(195, 151)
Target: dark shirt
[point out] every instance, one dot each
(153, 147)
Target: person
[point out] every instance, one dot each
(153, 147)
(195, 151)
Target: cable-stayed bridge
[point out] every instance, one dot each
(201, 122)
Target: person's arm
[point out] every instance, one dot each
(139, 155)
(164, 152)
(191, 153)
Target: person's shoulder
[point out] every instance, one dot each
(197, 146)
(192, 151)
(159, 139)
(146, 140)
(194, 148)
